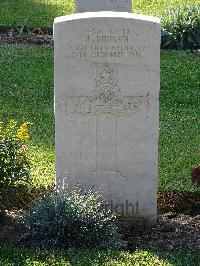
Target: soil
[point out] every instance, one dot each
(179, 202)
(177, 229)
(173, 232)
(29, 38)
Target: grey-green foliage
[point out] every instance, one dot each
(72, 220)
(181, 28)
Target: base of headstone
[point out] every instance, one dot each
(138, 221)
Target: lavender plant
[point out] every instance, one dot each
(72, 219)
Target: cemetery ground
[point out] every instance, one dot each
(26, 94)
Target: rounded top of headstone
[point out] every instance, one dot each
(106, 14)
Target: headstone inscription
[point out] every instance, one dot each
(107, 79)
(103, 5)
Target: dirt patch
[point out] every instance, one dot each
(30, 38)
(172, 232)
(11, 229)
(179, 202)
(25, 29)
(177, 227)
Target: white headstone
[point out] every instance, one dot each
(103, 5)
(107, 80)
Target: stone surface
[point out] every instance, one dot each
(107, 80)
(103, 5)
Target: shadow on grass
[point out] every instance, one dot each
(18, 256)
(33, 13)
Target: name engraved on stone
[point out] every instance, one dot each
(108, 43)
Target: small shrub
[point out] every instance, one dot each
(14, 161)
(181, 28)
(65, 220)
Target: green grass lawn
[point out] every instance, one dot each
(41, 13)
(15, 256)
(26, 94)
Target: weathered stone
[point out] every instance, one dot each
(103, 5)
(107, 79)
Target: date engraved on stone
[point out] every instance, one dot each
(107, 43)
(107, 95)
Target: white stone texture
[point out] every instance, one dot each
(107, 81)
(103, 5)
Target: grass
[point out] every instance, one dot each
(159, 8)
(34, 13)
(26, 94)
(16, 256)
(41, 13)
(179, 147)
